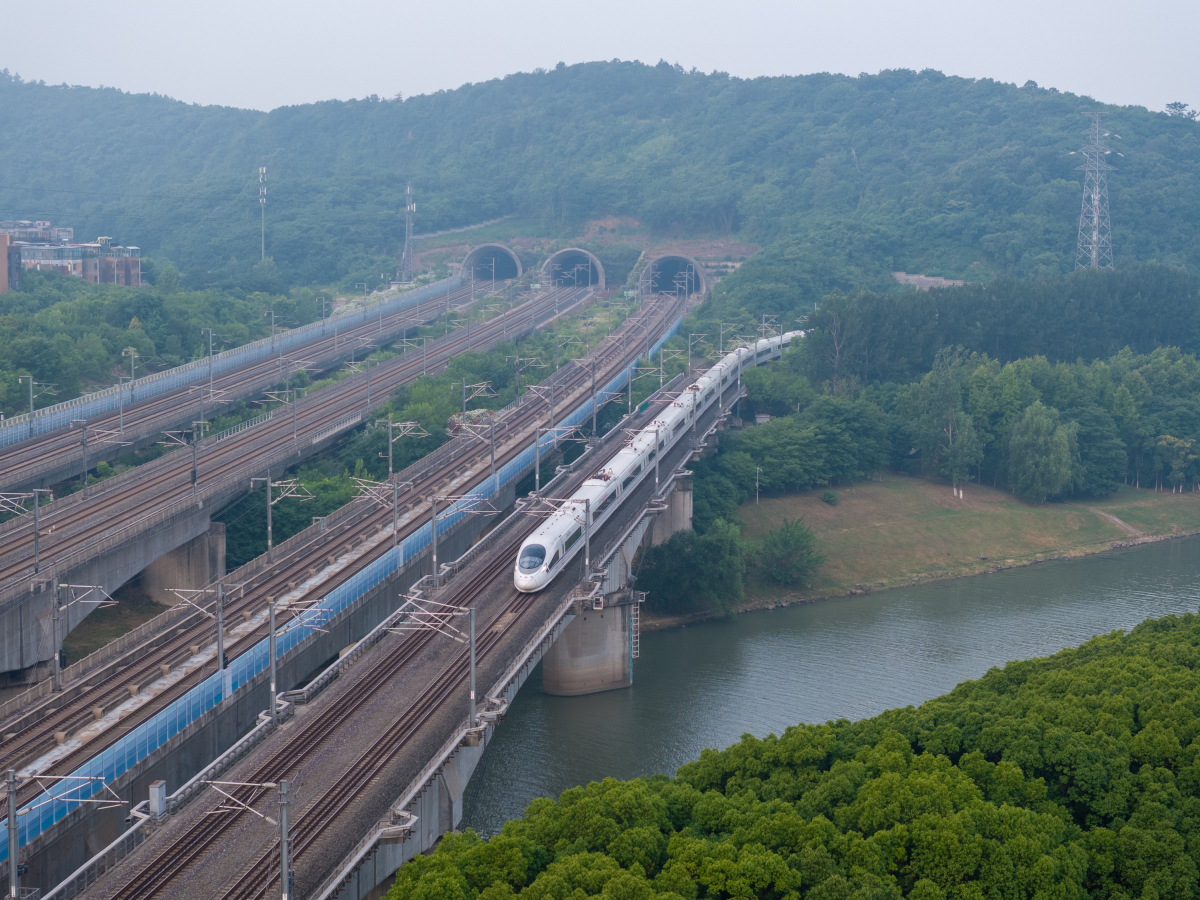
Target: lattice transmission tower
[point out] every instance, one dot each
(1094, 250)
(405, 272)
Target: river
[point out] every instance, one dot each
(706, 685)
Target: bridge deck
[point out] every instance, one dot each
(57, 454)
(367, 532)
(106, 521)
(367, 529)
(355, 749)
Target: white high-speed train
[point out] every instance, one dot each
(560, 538)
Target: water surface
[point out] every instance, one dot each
(706, 685)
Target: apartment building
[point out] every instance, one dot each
(99, 262)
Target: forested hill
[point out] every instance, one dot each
(900, 170)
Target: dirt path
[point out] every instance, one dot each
(1124, 526)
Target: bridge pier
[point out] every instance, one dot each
(194, 564)
(677, 516)
(596, 650)
(594, 653)
(26, 632)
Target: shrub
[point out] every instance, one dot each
(695, 571)
(829, 497)
(789, 554)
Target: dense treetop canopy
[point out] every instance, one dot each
(1070, 777)
(900, 170)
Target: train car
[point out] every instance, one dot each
(559, 539)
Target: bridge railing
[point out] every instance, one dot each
(213, 491)
(51, 418)
(131, 748)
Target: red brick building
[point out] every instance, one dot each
(100, 262)
(9, 262)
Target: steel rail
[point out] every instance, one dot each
(371, 519)
(254, 881)
(169, 864)
(173, 861)
(142, 473)
(272, 440)
(24, 461)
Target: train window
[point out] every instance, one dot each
(575, 535)
(632, 475)
(606, 502)
(708, 396)
(532, 556)
(554, 561)
(653, 453)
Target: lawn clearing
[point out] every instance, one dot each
(882, 534)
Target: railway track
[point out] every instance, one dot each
(258, 879)
(174, 860)
(38, 737)
(68, 528)
(24, 462)
(447, 686)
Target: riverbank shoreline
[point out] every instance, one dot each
(761, 597)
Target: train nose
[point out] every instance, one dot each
(529, 583)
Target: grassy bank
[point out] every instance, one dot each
(905, 530)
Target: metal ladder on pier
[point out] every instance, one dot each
(635, 625)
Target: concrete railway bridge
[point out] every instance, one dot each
(156, 519)
(404, 761)
(176, 718)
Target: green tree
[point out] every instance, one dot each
(789, 554)
(695, 571)
(1067, 777)
(1101, 452)
(1040, 457)
(960, 449)
(1180, 459)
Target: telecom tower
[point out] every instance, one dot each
(1095, 232)
(262, 202)
(405, 274)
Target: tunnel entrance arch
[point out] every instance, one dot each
(669, 272)
(489, 261)
(573, 266)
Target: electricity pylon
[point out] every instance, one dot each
(1094, 250)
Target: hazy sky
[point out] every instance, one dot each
(264, 55)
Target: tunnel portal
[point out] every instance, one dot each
(480, 262)
(574, 266)
(668, 273)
